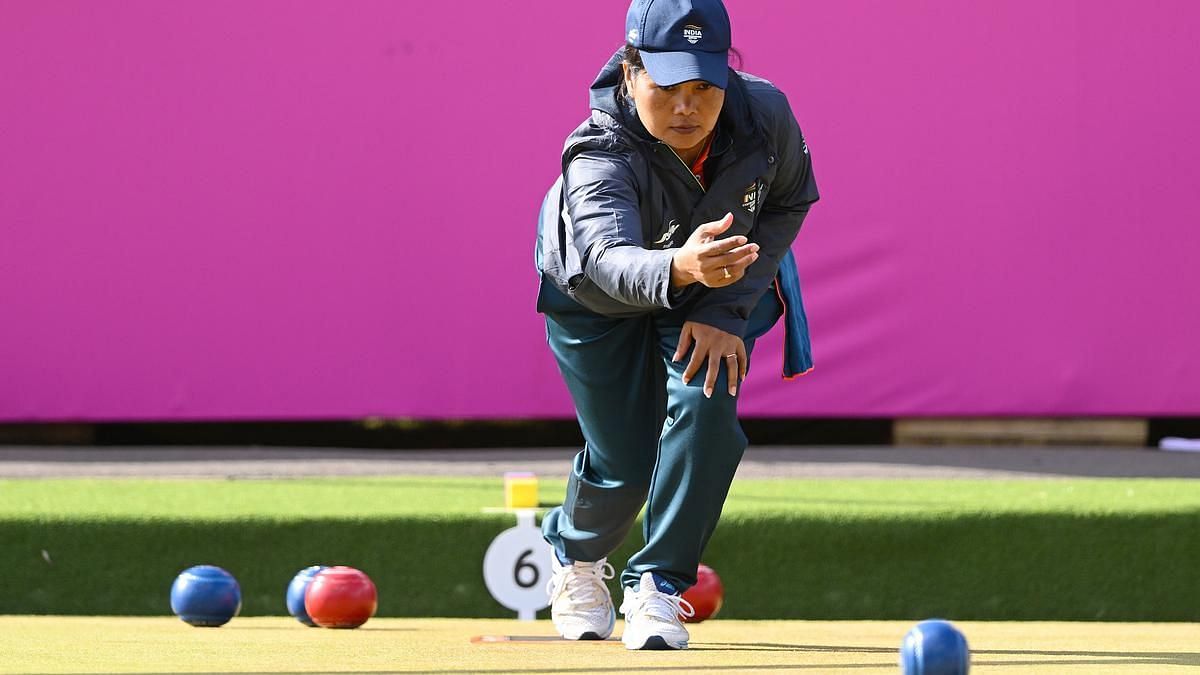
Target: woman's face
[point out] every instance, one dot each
(682, 115)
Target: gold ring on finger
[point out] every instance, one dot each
(726, 271)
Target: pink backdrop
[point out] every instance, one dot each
(298, 210)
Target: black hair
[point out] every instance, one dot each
(633, 58)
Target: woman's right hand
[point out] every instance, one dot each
(713, 262)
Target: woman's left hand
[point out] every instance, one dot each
(713, 346)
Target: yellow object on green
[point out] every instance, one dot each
(520, 490)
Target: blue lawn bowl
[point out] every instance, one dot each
(295, 594)
(934, 647)
(206, 596)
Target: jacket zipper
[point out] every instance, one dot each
(685, 166)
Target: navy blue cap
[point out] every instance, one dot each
(681, 40)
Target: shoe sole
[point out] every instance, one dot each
(593, 635)
(657, 643)
(588, 635)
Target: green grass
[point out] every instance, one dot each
(1111, 549)
(353, 498)
(432, 498)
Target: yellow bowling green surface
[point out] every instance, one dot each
(54, 644)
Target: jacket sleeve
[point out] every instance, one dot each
(602, 202)
(787, 203)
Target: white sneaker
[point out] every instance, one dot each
(653, 619)
(580, 604)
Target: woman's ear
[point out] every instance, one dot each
(626, 72)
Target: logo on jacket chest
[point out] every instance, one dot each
(751, 196)
(665, 241)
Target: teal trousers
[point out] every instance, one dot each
(649, 439)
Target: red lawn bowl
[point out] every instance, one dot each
(707, 596)
(340, 597)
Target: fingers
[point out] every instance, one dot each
(727, 267)
(709, 231)
(693, 366)
(743, 361)
(723, 246)
(710, 375)
(725, 270)
(685, 341)
(736, 265)
(733, 255)
(711, 347)
(733, 372)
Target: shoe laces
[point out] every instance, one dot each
(583, 585)
(658, 605)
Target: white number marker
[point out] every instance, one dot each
(516, 568)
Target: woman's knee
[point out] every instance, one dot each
(709, 421)
(721, 407)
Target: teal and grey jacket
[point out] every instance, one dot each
(625, 199)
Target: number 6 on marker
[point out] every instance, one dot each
(531, 570)
(516, 561)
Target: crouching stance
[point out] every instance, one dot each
(664, 253)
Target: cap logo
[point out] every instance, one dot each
(633, 33)
(693, 33)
